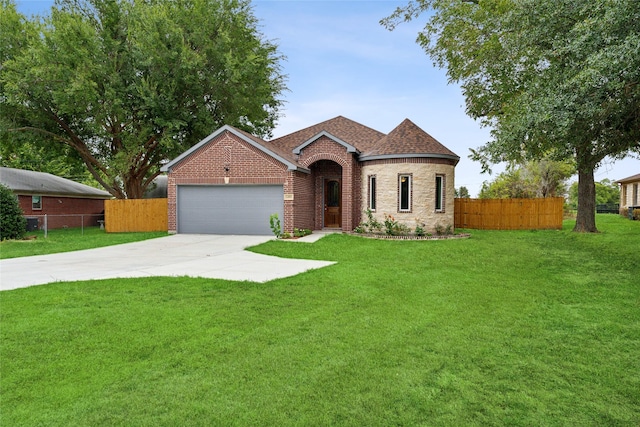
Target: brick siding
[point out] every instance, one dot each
(64, 212)
(227, 156)
(229, 159)
(328, 159)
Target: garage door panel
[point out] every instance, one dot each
(228, 209)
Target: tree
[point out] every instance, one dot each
(557, 78)
(548, 177)
(545, 178)
(462, 193)
(607, 192)
(130, 84)
(23, 150)
(12, 221)
(510, 184)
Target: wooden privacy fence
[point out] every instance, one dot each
(135, 215)
(509, 214)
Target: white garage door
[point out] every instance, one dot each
(228, 209)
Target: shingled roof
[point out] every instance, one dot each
(353, 133)
(408, 140)
(40, 183)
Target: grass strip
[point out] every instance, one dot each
(506, 328)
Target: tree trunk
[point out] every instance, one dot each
(133, 187)
(586, 218)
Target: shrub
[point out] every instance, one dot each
(301, 232)
(393, 227)
(443, 231)
(372, 223)
(274, 223)
(12, 222)
(370, 226)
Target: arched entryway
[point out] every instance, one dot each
(329, 194)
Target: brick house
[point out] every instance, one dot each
(65, 203)
(323, 176)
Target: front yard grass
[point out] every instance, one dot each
(68, 240)
(506, 328)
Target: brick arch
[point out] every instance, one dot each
(326, 149)
(324, 156)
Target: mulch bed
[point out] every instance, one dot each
(412, 237)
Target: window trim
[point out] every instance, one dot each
(409, 177)
(439, 193)
(371, 193)
(34, 206)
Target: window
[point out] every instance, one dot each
(439, 193)
(404, 193)
(372, 192)
(36, 203)
(333, 194)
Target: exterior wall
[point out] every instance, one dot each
(64, 212)
(228, 160)
(423, 190)
(629, 194)
(326, 149)
(303, 212)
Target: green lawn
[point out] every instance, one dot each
(529, 328)
(67, 240)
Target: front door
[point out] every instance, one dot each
(332, 208)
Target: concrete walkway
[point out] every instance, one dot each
(195, 255)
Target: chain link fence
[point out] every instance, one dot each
(49, 222)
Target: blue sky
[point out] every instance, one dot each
(341, 61)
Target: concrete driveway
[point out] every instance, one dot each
(210, 256)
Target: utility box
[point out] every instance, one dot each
(32, 224)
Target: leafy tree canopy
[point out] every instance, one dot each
(545, 178)
(128, 84)
(556, 78)
(462, 192)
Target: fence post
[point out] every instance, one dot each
(45, 226)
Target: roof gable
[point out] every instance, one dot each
(339, 128)
(408, 140)
(273, 151)
(22, 181)
(350, 148)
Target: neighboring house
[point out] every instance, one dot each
(65, 203)
(323, 176)
(629, 191)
